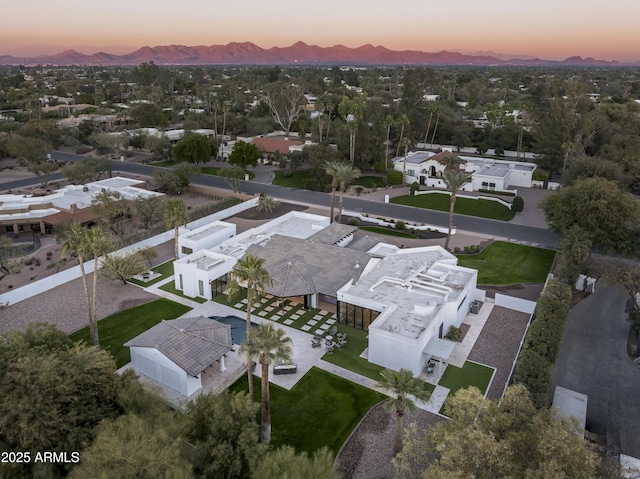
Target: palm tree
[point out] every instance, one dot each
(402, 384)
(345, 173)
(330, 168)
(267, 203)
(175, 215)
(454, 180)
(406, 143)
(268, 345)
(250, 274)
(84, 242)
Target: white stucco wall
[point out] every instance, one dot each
(220, 231)
(157, 366)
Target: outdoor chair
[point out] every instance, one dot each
(316, 342)
(329, 349)
(341, 346)
(333, 331)
(341, 336)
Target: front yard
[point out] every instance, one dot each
(464, 206)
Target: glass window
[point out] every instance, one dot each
(201, 287)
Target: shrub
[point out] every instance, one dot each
(394, 177)
(359, 190)
(37, 262)
(454, 333)
(415, 186)
(539, 175)
(353, 222)
(400, 225)
(51, 265)
(28, 261)
(518, 204)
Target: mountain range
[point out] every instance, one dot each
(299, 53)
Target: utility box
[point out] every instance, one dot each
(475, 307)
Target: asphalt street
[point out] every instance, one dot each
(493, 228)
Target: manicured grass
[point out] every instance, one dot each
(165, 269)
(171, 288)
(295, 180)
(503, 263)
(387, 231)
(464, 206)
(471, 374)
(117, 329)
(321, 410)
(370, 182)
(349, 358)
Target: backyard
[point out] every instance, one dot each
(503, 263)
(117, 329)
(320, 410)
(464, 206)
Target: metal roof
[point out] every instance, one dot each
(193, 344)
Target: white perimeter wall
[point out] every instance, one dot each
(517, 304)
(50, 282)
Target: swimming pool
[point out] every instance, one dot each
(238, 327)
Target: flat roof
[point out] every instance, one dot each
(418, 281)
(207, 230)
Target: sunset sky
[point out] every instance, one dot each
(548, 29)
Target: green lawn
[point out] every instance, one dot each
(117, 329)
(471, 374)
(387, 231)
(295, 180)
(321, 410)
(165, 269)
(349, 358)
(503, 263)
(464, 206)
(170, 287)
(370, 182)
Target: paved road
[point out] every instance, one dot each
(493, 228)
(593, 360)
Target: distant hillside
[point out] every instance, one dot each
(299, 53)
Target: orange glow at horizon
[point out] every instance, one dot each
(545, 29)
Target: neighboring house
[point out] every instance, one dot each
(272, 146)
(176, 352)
(406, 298)
(42, 211)
(426, 168)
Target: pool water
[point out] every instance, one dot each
(238, 327)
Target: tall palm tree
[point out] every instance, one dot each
(175, 216)
(402, 384)
(406, 142)
(345, 172)
(249, 274)
(454, 180)
(84, 242)
(331, 168)
(268, 345)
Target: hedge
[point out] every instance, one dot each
(542, 344)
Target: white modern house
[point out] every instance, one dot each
(175, 353)
(204, 237)
(426, 168)
(412, 297)
(406, 298)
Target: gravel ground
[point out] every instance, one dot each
(498, 345)
(65, 306)
(369, 451)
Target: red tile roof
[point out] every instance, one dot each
(272, 145)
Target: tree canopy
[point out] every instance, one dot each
(244, 155)
(194, 149)
(608, 215)
(486, 439)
